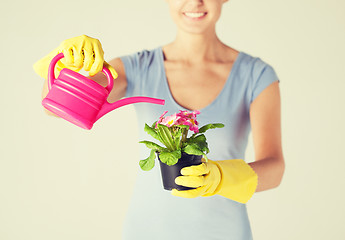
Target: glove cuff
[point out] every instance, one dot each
(42, 65)
(238, 180)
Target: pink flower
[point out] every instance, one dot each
(188, 114)
(181, 118)
(161, 118)
(192, 123)
(189, 119)
(170, 120)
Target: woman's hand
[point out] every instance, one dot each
(233, 179)
(204, 177)
(79, 52)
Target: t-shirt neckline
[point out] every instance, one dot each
(228, 81)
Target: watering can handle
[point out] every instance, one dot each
(51, 74)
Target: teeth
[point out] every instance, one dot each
(194, 14)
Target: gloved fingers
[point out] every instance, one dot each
(193, 193)
(97, 66)
(68, 59)
(97, 47)
(88, 61)
(73, 51)
(111, 69)
(195, 170)
(190, 181)
(59, 66)
(78, 56)
(79, 52)
(89, 56)
(210, 187)
(67, 47)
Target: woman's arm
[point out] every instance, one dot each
(234, 178)
(266, 129)
(120, 83)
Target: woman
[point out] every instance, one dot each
(195, 72)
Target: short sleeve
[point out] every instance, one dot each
(262, 76)
(137, 67)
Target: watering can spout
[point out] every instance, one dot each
(107, 107)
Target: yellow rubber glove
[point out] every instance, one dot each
(233, 179)
(79, 52)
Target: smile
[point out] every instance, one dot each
(195, 15)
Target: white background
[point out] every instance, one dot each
(58, 181)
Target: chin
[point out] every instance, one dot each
(201, 30)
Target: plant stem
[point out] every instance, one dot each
(167, 137)
(184, 136)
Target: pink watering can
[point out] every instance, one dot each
(81, 100)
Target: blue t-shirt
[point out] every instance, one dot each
(154, 214)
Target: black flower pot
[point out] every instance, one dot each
(169, 173)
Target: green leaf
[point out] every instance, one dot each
(193, 149)
(210, 126)
(152, 132)
(200, 140)
(166, 137)
(177, 139)
(170, 158)
(154, 125)
(148, 163)
(152, 145)
(197, 138)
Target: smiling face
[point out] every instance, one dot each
(195, 16)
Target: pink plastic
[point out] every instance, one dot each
(81, 100)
